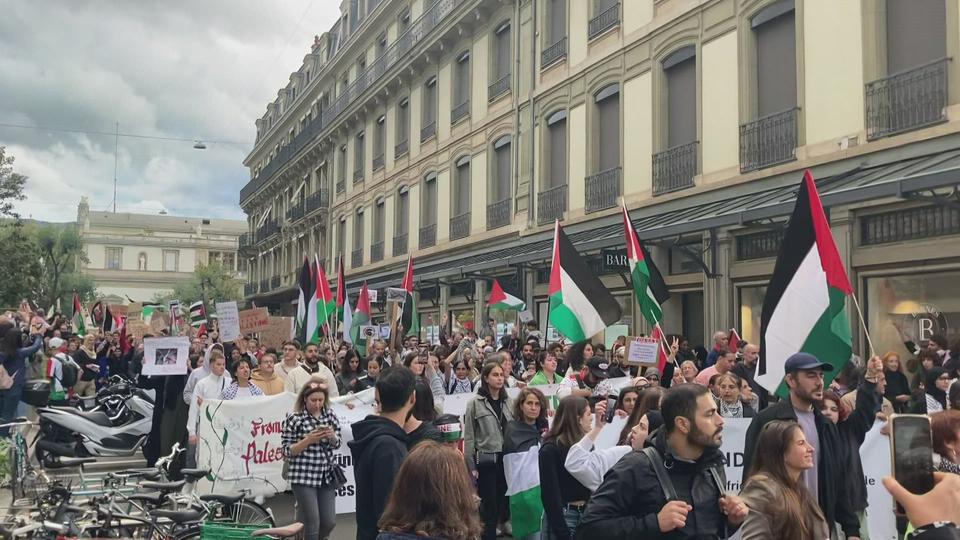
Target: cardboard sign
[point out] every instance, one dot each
(159, 322)
(278, 330)
(135, 312)
(253, 320)
(395, 294)
(138, 328)
(642, 351)
(165, 356)
(228, 320)
(526, 316)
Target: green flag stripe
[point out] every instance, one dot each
(649, 307)
(564, 320)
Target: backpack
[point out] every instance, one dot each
(69, 372)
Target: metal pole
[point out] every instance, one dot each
(116, 146)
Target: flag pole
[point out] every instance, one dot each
(863, 324)
(663, 341)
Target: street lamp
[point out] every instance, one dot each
(199, 146)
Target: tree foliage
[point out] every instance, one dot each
(11, 185)
(212, 283)
(60, 249)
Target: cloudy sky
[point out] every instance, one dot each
(176, 68)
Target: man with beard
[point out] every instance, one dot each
(633, 503)
(311, 365)
(826, 480)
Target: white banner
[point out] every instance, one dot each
(875, 456)
(240, 441)
(346, 495)
(229, 321)
(166, 355)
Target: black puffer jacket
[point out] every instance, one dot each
(626, 504)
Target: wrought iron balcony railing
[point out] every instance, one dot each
(604, 21)
(400, 244)
(602, 190)
(428, 236)
(356, 258)
(295, 213)
(274, 283)
(249, 288)
(551, 204)
(401, 149)
(264, 285)
(769, 141)
(460, 226)
(498, 214)
(358, 176)
(341, 185)
(553, 53)
(674, 168)
(317, 200)
(378, 162)
(499, 87)
(460, 111)
(376, 252)
(428, 131)
(268, 229)
(907, 100)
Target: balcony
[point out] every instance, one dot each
(907, 100)
(245, 240)
(674, 168)
(274, 283)
(603, 189)
(460, 226)
(428, 236)
(317, 200)
(268, 229)
(264, 285)
(769, 141)
(417, 32)
(460, 112)
(356, 258)
(428, 131)
(498, 214)
(296, 213)
(400, 244)
(551, 204)
(604, 21)
(553, 53)
(341, 185)
(358, 176)
(378, 162)
(401, 149)
(498, 88)
(376, 252)
(249, 289)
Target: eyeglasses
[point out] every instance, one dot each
(943, 378)
(653, 378)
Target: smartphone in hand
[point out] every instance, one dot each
(911, 450)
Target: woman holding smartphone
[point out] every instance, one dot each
(310, 436)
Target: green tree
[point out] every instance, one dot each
(18, 258)
(212, 283)
(59, 250)
(11, 185)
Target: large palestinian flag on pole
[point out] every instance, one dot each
(580, 306)
(322, 304)
(648, 285)
(79, 321)
(500, 299)
(804, 309)
(303, 333)
(341, 293)
(409, 318)
(360, 318)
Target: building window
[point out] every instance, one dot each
(501, 68)
(115, 258)
(342, 236)
(142, 262)
(912, 307)
(379, 220)
(676, 165)
(606, 15)
(402, 225)
(555, 46)
(428, 217)
(498, 212)
(460, 218)
(916, 33)
(751, 305)
(379, 137)
(403, 126)
(552, 199)
(772, 137)
(358, 158)
(403, 22)
(608, 128)
(342, 170)
(357, 256)
(461, 88)
(171, 260)
(429, 116)
(381, 46)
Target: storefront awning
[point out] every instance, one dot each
(735, 205)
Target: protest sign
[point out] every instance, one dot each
(240, 441)
(526, 316)
(456, 404)
(734, 435)
(166, 355)
(159, 322)
(609, 435)
(135, 312)
(137, 328)
(396, 294)
(346, 495)
(611, 334)
(875, 456)
(253, 320)
(384, 331)
(642, 351)
(372, 293)
(369, 333)
(228, 318)
(278, 330)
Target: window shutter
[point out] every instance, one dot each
(776, 64)
(558, 20)
(916, 33)
(608, 116)
(558, 154)
(503, 51)
(681, 101)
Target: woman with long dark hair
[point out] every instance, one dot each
(577, 357)
(546, 366)
(780, 505)
(419, 426)
(484, 422)
(564, 497)
(649, 400)
(310, 436)
(350, 372)
(431, 497)
(14, 352)
(898, 388)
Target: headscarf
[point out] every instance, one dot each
(930, 385)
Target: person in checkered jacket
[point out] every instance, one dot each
(310, 436)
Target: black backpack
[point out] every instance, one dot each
(70, 373)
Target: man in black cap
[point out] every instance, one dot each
(826, 480)
(594, 385)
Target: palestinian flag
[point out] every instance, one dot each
(648, 284)
(79, 322)
(501, 300)
(409, 318)
(108, 321)
(580, 306)
(321, 305)
(198, 316)
(347, 324)
(804, 309)
(360, 319)
(341, 295)
(96, 314)
(733, 340)
(522, 471)
(302, 332)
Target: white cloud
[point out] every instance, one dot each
(172, 69)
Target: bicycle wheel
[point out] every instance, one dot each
(247, 512)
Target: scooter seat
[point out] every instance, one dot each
(99, 418)
(165, 487)
(194, 474)
(225, 500)
(280, 532)
(67, 462)
(178, 516)
(149, 498)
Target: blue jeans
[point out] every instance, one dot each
(9, 401)
(572, 518)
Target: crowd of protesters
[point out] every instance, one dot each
(420, 473)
